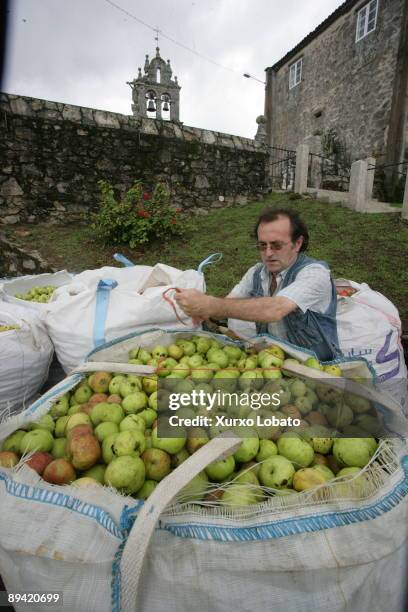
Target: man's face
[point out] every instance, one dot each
(276, 248)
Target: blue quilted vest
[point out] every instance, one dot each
(312, 330)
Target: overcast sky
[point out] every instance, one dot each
(83, 52)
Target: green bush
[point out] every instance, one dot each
(140, 217)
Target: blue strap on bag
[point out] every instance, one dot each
(123, 260)
(103, 292)
(211, 259)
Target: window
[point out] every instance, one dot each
(366, 19)
(295, 73)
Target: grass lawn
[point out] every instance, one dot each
(367, 248)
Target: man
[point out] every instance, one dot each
(288, 295)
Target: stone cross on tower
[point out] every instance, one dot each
(155, 94)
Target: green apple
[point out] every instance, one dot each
(134, 402)
(179, 458)
(114, 385)
(133, 421)
(313, 363)
(105, 429)
(74, 409)
(234, 352)
(133, 353)
(325, 470)
(174, 351)
(129, 442)
(169, 445)
(149, 384)
(249, 446)
(146, 489)
(40, 440)
(267, 360)
(276, 472)
(13, 442)
(296, 449)
(218, 470)
(127, 474)
(340, 415)
(130, 386)
(188, 347)
(218, 356)
(250, 379)
(60, 424)
(369, 423)
(332, 370)
(148, 415)
(267, 448)
(144, 355)
(107, 412)
(224, 380)
(356, 403)
(97, 472)
(60, 407)
(44, 422)
(59, 449)
(352, 452)
(82, 394)
(182, 370)
(308, 478)
(166, 366)
(194, 490)
(80, 418)
(107, 448)
(298, 388)
(203, 345)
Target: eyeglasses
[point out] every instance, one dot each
(274, 246)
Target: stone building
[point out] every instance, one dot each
(155, 94)
(343, 89)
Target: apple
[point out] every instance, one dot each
(85, 482)
(325, 470)
(369, 423)
(174, 351)
(74, 409)
(79, 430)
(129, 442)
(107, 412)
(85, 452)
(339, 415)
(303, 404)
(98, 398)
(169, 445)
(80, 418)
(292, 411)
(356, 403)
(276, 472)
(59, 448)
(332, 370)
(144, 355)
(38, 461)
(82, 394)
(100, 381)
(219, 357)
(249, 447)
(196, 438)
(157, 463)
(316, 418)
(224, 380)
(8, 459)
(127, 474)
(320, 460)
(149, 416)
(288, 363)
(44, 422)
(267, 448)
(204, 373)
(240, 495)
(114, 385)
(59, 472)
(107, 448)
(267, 360)
(298, 388)
(146, 489)
(181, 370)
(133, 353)
(194, 490)
(307, 478)
(134, 402)
(60, 407)
(188, 347)
(178, 458)
(294, 448)
(250, 379)
(276, 350)
(134, 422)
(234, 352)
(97, 472)
(313, 363)
(36, 440)
(105, 429)
(352, 452)
(219, 470)
(130, 386)
(149, 384)
(13, 442)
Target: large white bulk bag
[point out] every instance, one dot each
(25, 357)
(22, 284)
(101, 305)
(369, 326)
(105, 551)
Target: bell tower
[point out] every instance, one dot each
(155, 94)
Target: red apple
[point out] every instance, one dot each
(39, 461)
(8, 459)
(59, 471)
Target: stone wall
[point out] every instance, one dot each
(346, 86)
(52, 155)
(15, 261)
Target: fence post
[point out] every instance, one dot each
(358, 185)
(302, 166)
(371, 161)
(405, 200)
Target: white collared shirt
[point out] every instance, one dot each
(311, 290)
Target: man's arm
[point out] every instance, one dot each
(263, 309)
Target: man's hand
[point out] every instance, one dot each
(195, 304)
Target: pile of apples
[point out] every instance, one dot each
(37, 294)
(4, 328)
(105, 430)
